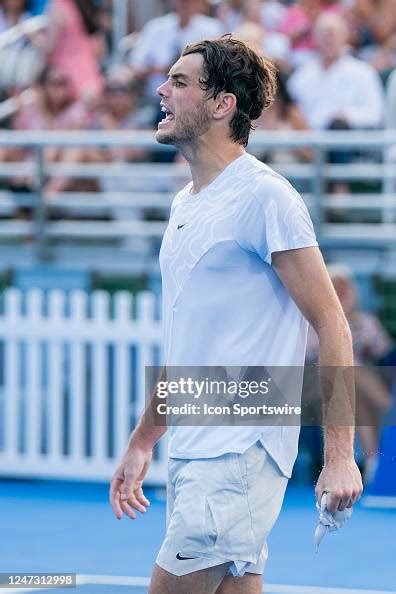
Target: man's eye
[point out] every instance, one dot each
(178, 83)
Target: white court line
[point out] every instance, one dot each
(287, 589)
(379, 501)
(118, 580)
(123, 580)
(112, 580)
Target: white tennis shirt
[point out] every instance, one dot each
(223, 303)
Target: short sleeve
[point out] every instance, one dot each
(274, 218)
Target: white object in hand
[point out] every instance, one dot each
(329, 521)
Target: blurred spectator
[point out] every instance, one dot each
(270, 44)
(53, 107)
(119, 110)
(298, 24)
(232, 13)
(21, 59)
(372, 26)
(273, 13)
(162, 39)
(371, 343)
(370, 340)
(383, 58)
(74, 44)
(337, 90)
(12, 12)
(371, 22)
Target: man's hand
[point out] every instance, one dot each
(126, 484)
(342, 481)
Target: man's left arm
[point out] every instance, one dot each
(303, 273)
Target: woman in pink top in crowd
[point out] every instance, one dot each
(298, 25)
(73, 44)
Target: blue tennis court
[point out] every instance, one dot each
(69, 527)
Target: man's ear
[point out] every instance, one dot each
(225, 105)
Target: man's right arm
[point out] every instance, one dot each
(150, 427)
(126, 484)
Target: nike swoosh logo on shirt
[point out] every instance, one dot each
(180, 226)
(184, 558)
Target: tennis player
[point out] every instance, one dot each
(242, 277)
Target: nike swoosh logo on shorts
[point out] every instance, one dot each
(184, 558)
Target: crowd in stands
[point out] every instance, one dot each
(333, 57)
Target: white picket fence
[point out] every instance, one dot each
(72, 381)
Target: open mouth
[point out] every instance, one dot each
(168, 115)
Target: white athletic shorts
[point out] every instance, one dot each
(221, 509)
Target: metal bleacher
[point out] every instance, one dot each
(83, 226)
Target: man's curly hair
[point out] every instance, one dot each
(232, 66)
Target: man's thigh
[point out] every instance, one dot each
(220, 510)
(205, 581)
(249, 583)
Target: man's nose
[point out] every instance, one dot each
(161, 90)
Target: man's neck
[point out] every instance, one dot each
(327, 62)
(184, 19)
(208, 160)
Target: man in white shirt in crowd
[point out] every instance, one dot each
(337, 90)
(232, 13)
(236, 260)
(162, 39)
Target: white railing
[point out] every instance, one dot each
(72, 381)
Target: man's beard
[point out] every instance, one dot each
(188, 127)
